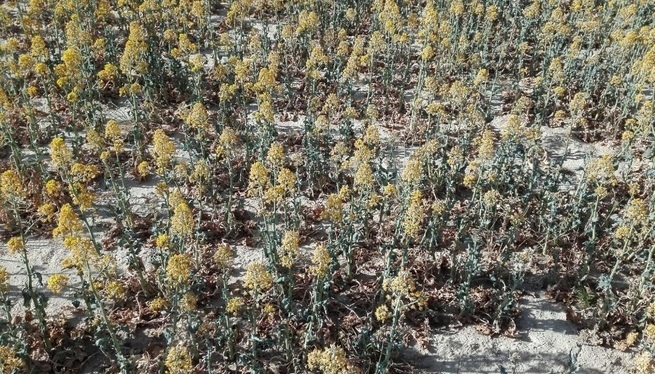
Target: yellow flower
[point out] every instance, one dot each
(224, 256)
(289, 249)
(162, 150)
(491, 198)
(157, 304)
(274, 195)
(185, 45)
(83, 173)
(600, 171)
(306, 21)
(228, 138)
(331, 360)
(333, 208)
(94, 139)
(143, 169)
(321, 261)
(32, 91)
(414, 215)
(107, 74)
(643, 363)
(82, 253)
(403, 286)
(198, 117)
(182, 222)
(82, 196)
(275, 155)
(11, 186)
(649, 332)
(389, 191)
(114, 290)
(4, 280)
(57, 282)
(179, 269)
(60, 153)
(637, 211)
(579, 102)
(257, 277)
(72, 59)
(162, 241)
(481, 77)
(178, 360)
(197, 62)
(15, 244)
(412, 172)
(363, 177)
(469, 180)
(8, 360)
(492, 13)
(438, 207)
(268, 310)
(133, 58)
(382, 313)
(234, 304)
(68, 223)
(38, 49)
(286, 179)
(486, 149)
(113, 130)
(188, 302)
(427, 53)
(175, 197)
(200, 173)
(41, 69)
(259, 179)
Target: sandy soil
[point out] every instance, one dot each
(546, 343)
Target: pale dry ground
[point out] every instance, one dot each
(546, 343)
(546, 339)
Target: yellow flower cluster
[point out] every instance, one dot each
(333, 208)
(321, 261)
(234, 304)
(57, 283)
(133, 59)
(11, 186)
(178, 360)
(382, 313)
(178, 269)
(115, 291)
(4, 281)
(414, 215)
(68, 224)
(600, 171)
(412, 172)
(114, 134)
(363, 180)
(275, 155)
(331, 360)
(60, 153)
(198, 118)
(403, 286)
(15, 244)
(259, 179)
(9, 362)
(163, 150)
(257, 278)
(224, 257)
(226, 142)
(289, 249)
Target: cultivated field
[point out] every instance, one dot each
(355, 186)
